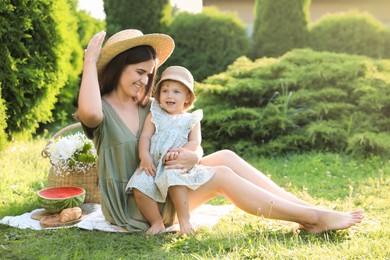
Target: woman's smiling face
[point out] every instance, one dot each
(135, 77)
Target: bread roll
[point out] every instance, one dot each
(70, 214)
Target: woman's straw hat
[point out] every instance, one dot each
(127, 39)
(180, 74)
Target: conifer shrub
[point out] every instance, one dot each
(353, 33)
(36, 47)
(206, 43)
(302, 101)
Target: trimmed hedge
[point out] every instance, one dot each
(302, 101)
(353, 33)
(206, 43)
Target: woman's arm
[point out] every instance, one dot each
(90, 103)
(187, 156)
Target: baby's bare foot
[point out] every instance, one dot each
(333, 220)
(155, 229)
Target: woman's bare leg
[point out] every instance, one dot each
(179, 197)
(149, 209)
(245, 170)
(260, 202)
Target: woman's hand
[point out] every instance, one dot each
(92, 52)
(180, 158)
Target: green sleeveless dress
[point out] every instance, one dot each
(117, 150)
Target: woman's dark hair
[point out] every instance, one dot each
(108, 80)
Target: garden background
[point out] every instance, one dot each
(307, 103)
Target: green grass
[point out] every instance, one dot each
(335, 181)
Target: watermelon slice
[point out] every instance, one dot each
(54, 200)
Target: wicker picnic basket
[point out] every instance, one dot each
(87, 180)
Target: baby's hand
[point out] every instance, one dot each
(170, 156)
(148, 166)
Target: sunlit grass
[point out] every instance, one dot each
(330, 180)
(23, 171)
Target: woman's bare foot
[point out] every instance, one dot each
(328, 220)
(186, 228)
(155, 228)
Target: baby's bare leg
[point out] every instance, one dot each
(149, 210)
(179, 198)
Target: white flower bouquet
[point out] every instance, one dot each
(72, 153)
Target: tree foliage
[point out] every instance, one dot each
(206, 43)
(302, 101)
(148, 16)
(88, 26)
(279, 26)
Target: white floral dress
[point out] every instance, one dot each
(171, 132)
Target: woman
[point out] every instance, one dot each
(113, 103)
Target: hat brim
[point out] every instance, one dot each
(161, 43)
(173, 78)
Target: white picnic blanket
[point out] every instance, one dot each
(206, 215)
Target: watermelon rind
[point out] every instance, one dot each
(56, 205)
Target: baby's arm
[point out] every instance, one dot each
(146, 163)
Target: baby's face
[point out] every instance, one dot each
(174, 96)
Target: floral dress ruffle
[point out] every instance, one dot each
(171, 132)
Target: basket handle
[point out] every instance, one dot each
(45, 152)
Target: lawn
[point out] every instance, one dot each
(334, 181)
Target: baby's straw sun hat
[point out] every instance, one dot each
(180, 74)
(127, 39)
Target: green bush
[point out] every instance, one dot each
(352, 33)
(280, 26)
(148, 16)
(36, 43)
(206, 43)
(302, 101)
(367, 143)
